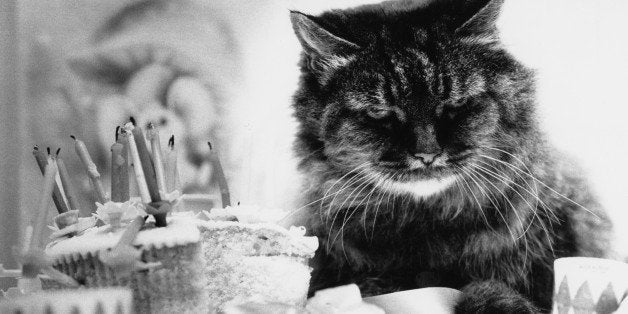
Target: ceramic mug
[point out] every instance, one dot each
(585, 285)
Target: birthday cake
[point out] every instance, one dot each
(254, 257)
(174, 253)
(204, 261)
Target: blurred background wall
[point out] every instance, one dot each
(579, 48)
(11, 138)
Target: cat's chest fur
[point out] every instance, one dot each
(408, 246)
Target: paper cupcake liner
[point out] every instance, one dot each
(177, 286)
(81, 301)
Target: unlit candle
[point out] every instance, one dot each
(90, 167)
(137, 164)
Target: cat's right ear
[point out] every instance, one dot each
(325, 51)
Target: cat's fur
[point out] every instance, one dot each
(385, 85)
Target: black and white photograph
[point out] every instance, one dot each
(313, 156)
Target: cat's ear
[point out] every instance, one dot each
(480, 19)
(325, 50)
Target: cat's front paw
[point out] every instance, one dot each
(493, 297)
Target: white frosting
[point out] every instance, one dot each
(128, 209)
(249, 213)
(180, 231)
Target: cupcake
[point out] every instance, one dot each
(175, 286)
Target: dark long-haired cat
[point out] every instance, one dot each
(425, 162)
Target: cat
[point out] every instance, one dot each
(425, 162)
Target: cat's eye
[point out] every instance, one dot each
(377, 112)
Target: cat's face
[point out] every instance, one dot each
(409, 107)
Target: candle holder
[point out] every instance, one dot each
(70, 224)
(66, 219)
(159, 210)
(115, 219)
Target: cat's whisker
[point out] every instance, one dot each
(376, 186)
(480, 208)
(497, 174)
(536, 194)
(497, 209)
(344, 187)
(357, 168)
(458, 182)
(545, 185)
(505, 197)
(347, 219)
(389, 182)
(362, 181)
(523, 233)
(376, 182)
(516, 158)
(354, 179)
(543, 227)
(522, 163)
(519, 172)
(325, 195)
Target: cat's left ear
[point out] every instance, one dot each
(325, 50)
(481, 19)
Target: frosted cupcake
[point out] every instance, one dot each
(176, 285)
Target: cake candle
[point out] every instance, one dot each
(147, 164)
(68, 187)
(41, 215)
(57, 196)
(172, 172)
(130, 233)
(119, 170)
(124, 181)
(137, 164)
(153, 135)
(90, 167)
(220, 176)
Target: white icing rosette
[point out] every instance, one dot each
(246, 214)
(114, 213)
(173, 197)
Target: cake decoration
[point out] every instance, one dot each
(115, 214)
(34, 260)
(171, 169)
(220, 176)
(90, 167)
(136, 162)
(70, 224)
(146, 177)
(124, 258)
(66, 183)
(178, 260)
(120, 168)
(57, 197)
(153, 137)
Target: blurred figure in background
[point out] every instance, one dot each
(173, 63)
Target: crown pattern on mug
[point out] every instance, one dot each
(583, 302)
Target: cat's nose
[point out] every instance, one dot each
(427, 158)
